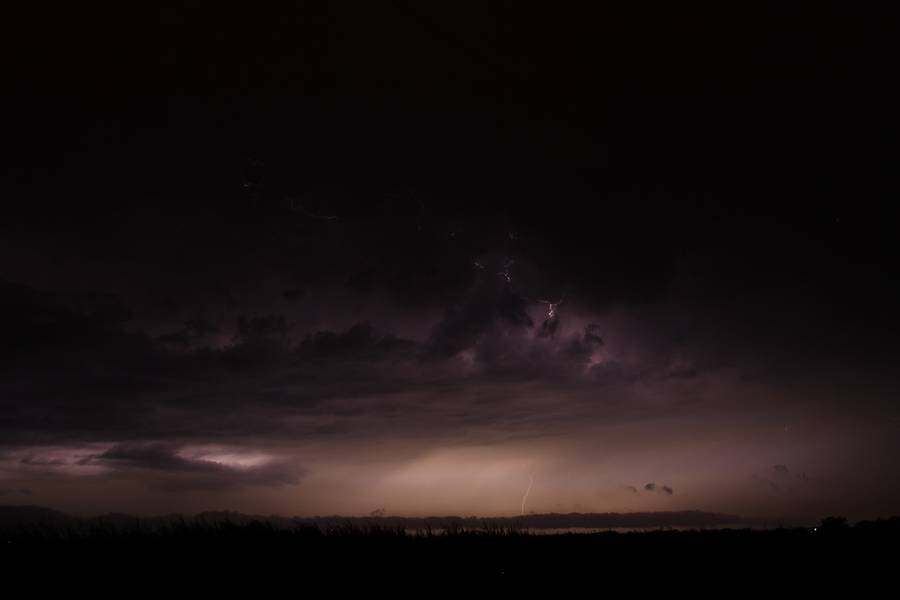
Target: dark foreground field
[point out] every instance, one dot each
(229, 555)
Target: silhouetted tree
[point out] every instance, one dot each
(834, 525)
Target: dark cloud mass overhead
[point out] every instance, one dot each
(337, 260)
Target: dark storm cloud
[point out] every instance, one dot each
(592, 335)
(360, 342)
(260, 343)
(42, 462)
(180, 338)
(48, 324)
(548, 327)
(152, 456)
(264, 326)
(193, 333)
(165, 459)
(78, 373)
(111, 382)
(580, 348)
(293, 294)
(273, 381)
(107, 382)
(72, 366)
(490, 308)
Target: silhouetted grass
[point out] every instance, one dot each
(340, 551)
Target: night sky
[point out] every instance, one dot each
(301, 259)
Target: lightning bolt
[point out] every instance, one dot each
(527, 491)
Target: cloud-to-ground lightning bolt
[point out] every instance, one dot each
(527, 491)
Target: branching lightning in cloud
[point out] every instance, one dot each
(505, 272)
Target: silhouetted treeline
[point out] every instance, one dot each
(637, 520)
(261, 556)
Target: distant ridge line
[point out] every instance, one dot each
(11, 516)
